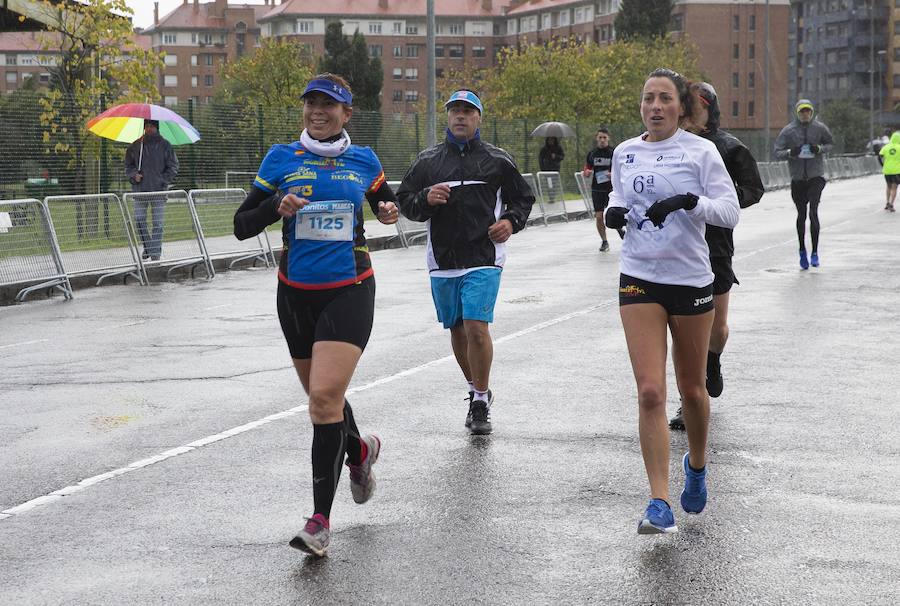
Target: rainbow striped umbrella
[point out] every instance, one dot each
(125, 123)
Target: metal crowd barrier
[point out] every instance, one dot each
(96, 236)
(584, 188)
(553, 197)
(537, 210)
(173, 238)
(408, 231)
(214, 209)
(776, 175)
(239, 178)
(29, 251)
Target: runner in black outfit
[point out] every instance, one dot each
(742, 168)
(597, 166)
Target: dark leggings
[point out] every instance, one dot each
(808, 192)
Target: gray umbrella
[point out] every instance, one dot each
(553, 129)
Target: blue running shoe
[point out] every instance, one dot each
(693, 497)
(804, 263)
(658, 519)
(814, 259)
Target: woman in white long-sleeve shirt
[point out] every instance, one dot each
(667, 185)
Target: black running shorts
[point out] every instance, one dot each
(600, 199)
(338, 314)
(676, 300)
(724, 275)
(892, 179)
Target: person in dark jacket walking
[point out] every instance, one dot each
(744, 172)
(804, 143)
(151, 166)
(551, 155)
(472, 198)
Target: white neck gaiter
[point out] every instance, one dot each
(327, 150)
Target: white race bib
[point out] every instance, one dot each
(601, 176)
(330, 220)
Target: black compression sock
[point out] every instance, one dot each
(328, 447)
(712, 359)
(354, 447)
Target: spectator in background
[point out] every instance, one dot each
(151, 166)
(597, 165)
(551, 155)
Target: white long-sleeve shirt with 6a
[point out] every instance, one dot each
(646, 171)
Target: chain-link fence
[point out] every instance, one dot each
(38, 160)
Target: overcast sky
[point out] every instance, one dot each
(143, 9)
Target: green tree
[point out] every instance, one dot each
(647, 19)
(349, 57)
(849, 123)
(96, 59)
(268, 77)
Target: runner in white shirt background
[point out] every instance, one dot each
(667, 185)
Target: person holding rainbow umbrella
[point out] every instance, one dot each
(150, 162)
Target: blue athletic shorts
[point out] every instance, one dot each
(468, 297)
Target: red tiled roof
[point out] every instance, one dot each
(395, 8)
(536, 5)
(184, 17)
(23, 41)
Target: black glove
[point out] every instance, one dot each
(795, 151)
(814, 148)
(660, 209)
(615, 217)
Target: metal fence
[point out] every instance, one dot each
(29, 251)
(214, 210)
(408, 231)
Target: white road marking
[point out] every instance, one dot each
(24, 343)
(234, 431)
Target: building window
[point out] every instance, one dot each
(478, 51)
(564, 17)
(897, 51)
(412, 95)
(751, 107)
(398, 51)
(171, 60)
(194, 60)
(208, 80)
(456, 51)
(896, 80)
(412, 73)
(206, 39)
(897, 27)
(194, 81)
(439, 72)
(735, 80)
(736, 23)
(304, 27)
(457, 29)
(479, 29)
(170, 100)
(438, 50)
(193, 37)
(209, 60)
(752, 23)
(545, 21)
(736, 52)
(751, 52)
(751, 80)
(11, 59)
(398, 73)
(512, 26)
(398, 96)
(44, 78)
(412, 30)
(374, 50)
(735, 109)
(12, 77)
(678, 23)
(375, 27)
(170, 81)
(169, 38)
(396, 27)
(412, 50)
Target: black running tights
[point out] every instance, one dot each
(805, 193)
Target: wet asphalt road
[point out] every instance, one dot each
(804, 482)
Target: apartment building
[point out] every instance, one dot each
(838, 50)
(198, 38)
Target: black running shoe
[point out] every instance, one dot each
(472, 397)
(714, 382)
(677, 422)
(481, 418)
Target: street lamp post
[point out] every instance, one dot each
(871, 70)
(766, 79)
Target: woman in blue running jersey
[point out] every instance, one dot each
(326, 287)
